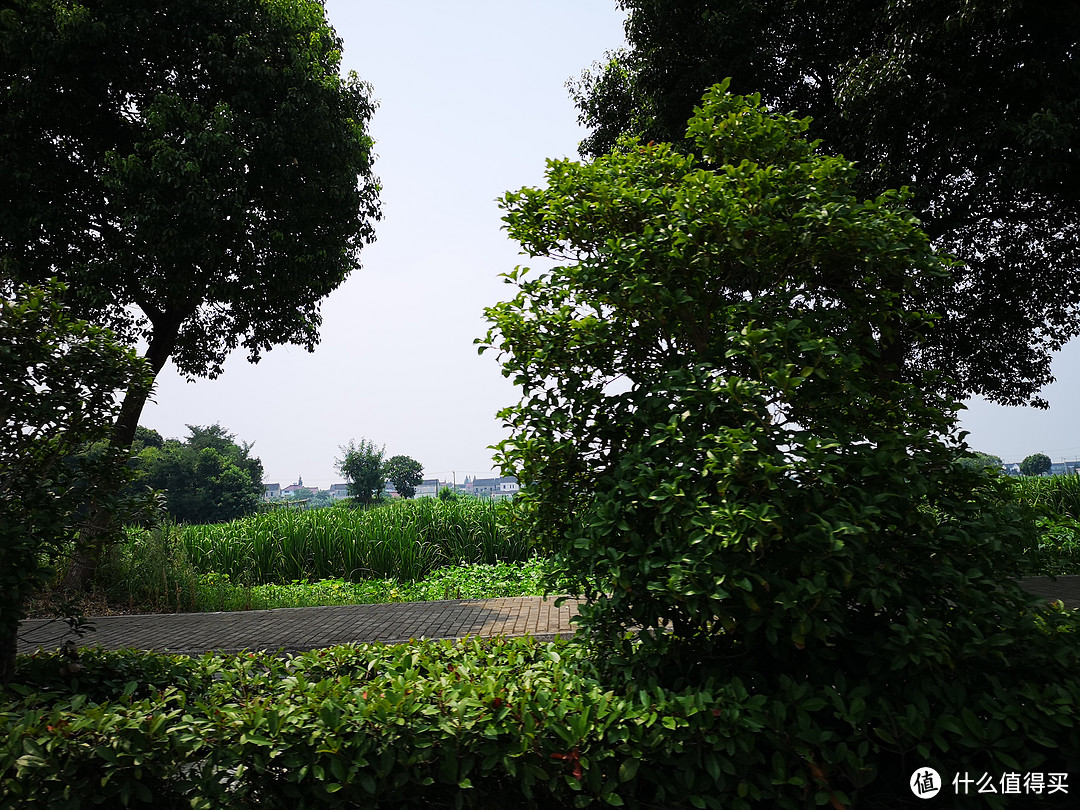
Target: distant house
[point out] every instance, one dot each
(508, 487)
(1064, 468)
(428, 488)
(504, 487)
(272, 491)
(339, 491)
(291, 488)
(482, 487)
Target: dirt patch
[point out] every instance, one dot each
(47, 605)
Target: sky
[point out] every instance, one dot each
(472, 100)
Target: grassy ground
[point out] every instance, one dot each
(476, 581)
(211, 592)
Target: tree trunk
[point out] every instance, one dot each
(9, 641)
(92, 538)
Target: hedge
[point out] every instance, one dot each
(495, 723)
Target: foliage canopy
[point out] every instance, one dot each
(971, 103)
(208, 478)
(196, 171)
(718, 436)
(1035, 464)
(362, 466)
(58, 382)
(405, 474)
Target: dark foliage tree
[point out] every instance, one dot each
(208, 478)
(405, 473)
(362, 466)
(973, 104)
(714, 440)
(983, 461)
(197, 172)
(58, 381)
(146, 437)
(1035, 464)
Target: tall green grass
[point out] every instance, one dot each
(404, 540)
(1056, 500)
(1058, 493)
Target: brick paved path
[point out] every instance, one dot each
(296, 629)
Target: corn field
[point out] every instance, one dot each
(404, 540)
(1056, 500)
(1058, 493)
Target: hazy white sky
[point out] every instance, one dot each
(472, 100)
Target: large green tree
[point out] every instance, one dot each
(716, 440)
(362, 465)
(58, 382)
(1035, 464)
(197, 171)
(405, 474)
(208, 478)
(973, 104)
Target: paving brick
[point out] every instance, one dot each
(296, 629)
(303, 628)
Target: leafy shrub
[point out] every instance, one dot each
(498, 723)
(59, 377)
(470, 581)
(722, 436)
(207, 478)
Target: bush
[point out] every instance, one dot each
(1056, 501)
(499, 723)
(59, 379)
(721, 435)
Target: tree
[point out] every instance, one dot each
(984, 461)
(973, 104)
(362, 466)
(208, 478)
(1036, 464)
(405, 473)
(146, 437)
(196, 171)
(58, 380)
(716, 443)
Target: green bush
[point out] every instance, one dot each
(499, 723)
(470, 581)
(59, 379)
(721, 433)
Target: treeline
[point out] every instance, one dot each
(206, 478)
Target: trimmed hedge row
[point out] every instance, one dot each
(498, 723)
